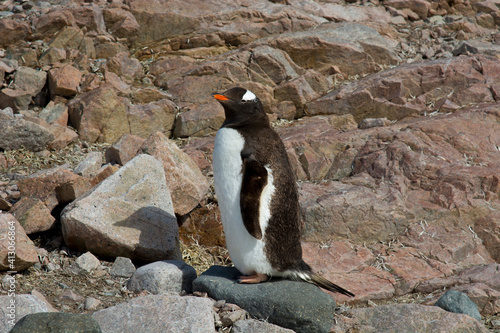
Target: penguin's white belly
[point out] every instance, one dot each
(246, 252)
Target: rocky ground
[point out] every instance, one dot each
(388, 110)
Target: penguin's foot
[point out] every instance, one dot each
(256, 278)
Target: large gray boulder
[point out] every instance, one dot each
(405, 318)
(51, 322)
(159, 313)
(130, 214)
(299, 306)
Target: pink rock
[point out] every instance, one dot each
(42, 184)
(145, 119)
(120, 22)
(63, 136)
(184, 179)
(104, 172)
(124, 149)
(90, 17)
(105, 115)
(400, 92)
(420, 7)
(486, 298)
(73, 189)
(47, 25)
(52, 55)
(24, 250)
(16, 99)
(117, 83)
(33, 215)
(70, 38)
(144, 226)
(64, 81)
(108, 50)
(199, 121)
(12, 31)
(125, 67)
(352, 267)
(148, 95)
(201, 150)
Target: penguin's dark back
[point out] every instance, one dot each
(284, 227)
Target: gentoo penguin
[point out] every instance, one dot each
(257, 195)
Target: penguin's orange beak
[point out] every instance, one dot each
(220, 97)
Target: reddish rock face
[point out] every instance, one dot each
(413, 89)
(99, 115)
(42, 184)
(12, 31)
(186, 183)
(33, 215)
(124, 149)
(64, 81)
(25, 251)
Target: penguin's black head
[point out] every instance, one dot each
(241, 107)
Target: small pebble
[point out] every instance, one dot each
(92, 303)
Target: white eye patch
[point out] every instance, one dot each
(249, 96)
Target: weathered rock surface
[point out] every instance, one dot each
(63, 136)
(406, 318)
(414, 89)
(42, 184)
(185, 181)
(90, 164)
(168, 276)
(85, 263)
(30, 80)
(158, 313)
(24, 304)
(199, 121)
(296, 305)
(141, 225)
(57, 322)
(257, 326)
(380, 104)
(18, 133)
(99, 115)
(33, 215)
(148, 118)
(480, 283)
(16, 241)
(124, 149)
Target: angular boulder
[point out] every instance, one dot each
(187, 184)
(43, 184)
(130, 214)
(33, 215)
(99, 115)
(17, 251)
(17, 133)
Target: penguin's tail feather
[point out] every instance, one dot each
(303, 272)
(329, 285)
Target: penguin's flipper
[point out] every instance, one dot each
(253, 182)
